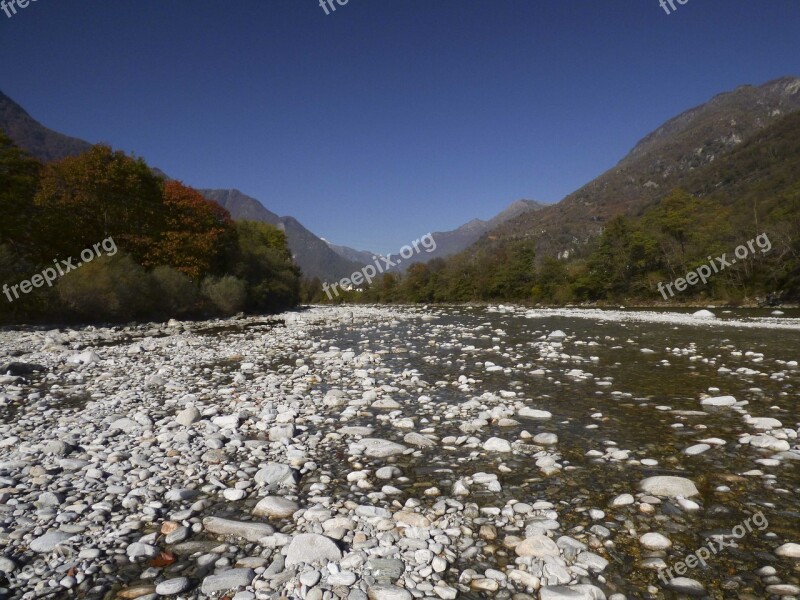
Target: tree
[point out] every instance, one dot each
(100, 194)
(262, 259)
(197, 234)
(19, 178)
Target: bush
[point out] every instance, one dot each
(177, 294)
(228, 294)
(109, 288)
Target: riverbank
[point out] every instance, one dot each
(391, 453)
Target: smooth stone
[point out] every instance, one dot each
(696, 449)
(7, 565)
(275, 506)
(385, 568)
(719, 401)
(416, 439)
(783, 589)
(345, 578)
(172, 586)
(623, 500)
(532, 413)
(669, 486)
(276, 474)
(188, 416)
(140, 550)
(311, 548)
(377, 448)
(49, 541)
(310, 578)
(388, 592)
(790, 550)
(655, 541)
(228, 580)
(571, 592)
(496, 444)
(537, 546)
(252, 532)
(686, 586)
(545, 439)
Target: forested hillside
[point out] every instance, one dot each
(99, 236)
(749, 191)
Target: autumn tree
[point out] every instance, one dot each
(196, 235)
(100, 194)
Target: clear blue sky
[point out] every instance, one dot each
(387, 118)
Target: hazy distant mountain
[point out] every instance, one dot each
(33, 137)
(666, 158)
(312, 254)
(450, 242)
(359, 256)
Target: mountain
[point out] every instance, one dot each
(33, 137)
(359, 256)
(454, 241)
(314, 256)
(663, 160)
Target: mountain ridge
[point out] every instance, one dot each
(662, 159)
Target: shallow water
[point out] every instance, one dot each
(639, 411)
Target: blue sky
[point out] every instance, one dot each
(387, 118)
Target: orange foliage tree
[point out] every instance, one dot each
(198, 234)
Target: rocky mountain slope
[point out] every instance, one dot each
(664, 159)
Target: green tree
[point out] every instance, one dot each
(100, 194)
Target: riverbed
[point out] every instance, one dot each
(408, 452)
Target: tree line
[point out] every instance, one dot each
(179, 255)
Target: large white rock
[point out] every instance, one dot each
(655, 541)
(276, 474)
(188, 416)
(571, 592)
(50, 541)
(84, 358)
(764, 423)
(719, 401)
(312, 548)
(669, 486)
(532, 413)
(385, 591)
(790, 550)
(277, 507)
(697, 449)
(537, 546)
(252, 532)
(704, 314)
(377, 448)
(496, 444)
(419, 440)
(232, 579)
